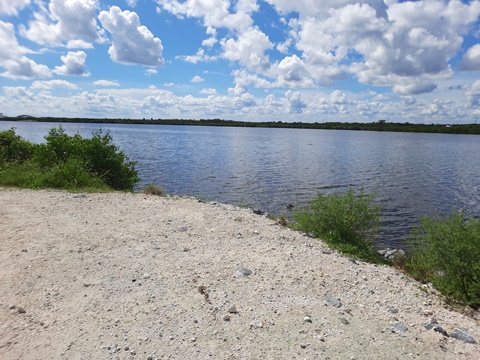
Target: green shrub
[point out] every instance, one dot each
(347, 222)
(13, 148)
(153, 190)
(70, 175)
(97, 155)
(445, 250)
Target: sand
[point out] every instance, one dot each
(131, 276)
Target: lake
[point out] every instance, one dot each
(411, 174)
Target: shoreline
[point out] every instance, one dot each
(122, 275)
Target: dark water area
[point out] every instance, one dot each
(411, 174)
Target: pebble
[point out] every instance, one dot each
(233, 310)
(21, 310)
(432, 324)
(399, 328)
(463, 335)
(344, 321)
(307, 319)
(11, 307)
(333, 301)
(244, 272)
(226, 318)
(256, 325)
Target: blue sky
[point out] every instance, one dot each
(250, 60)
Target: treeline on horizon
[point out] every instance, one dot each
(382, 125)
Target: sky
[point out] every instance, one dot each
(247, 60)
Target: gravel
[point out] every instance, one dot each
(174, 278)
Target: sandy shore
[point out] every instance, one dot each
(124, 276)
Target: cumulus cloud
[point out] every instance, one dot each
(406, 45)
(209, 91)
(473, 94)
(13, 59)
(471, 59)
(295, 101)
(73, 20)
(12, 7)
(50, 84)
(197, 79)
(131, 3)
(214, 13)
(74, 64)
(132, 42)
(417, 86)
(149, 72)
(106, 83)
(200, 56)
(249, 49)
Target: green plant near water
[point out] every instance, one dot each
(65, 162)
(152, 189)
(445, 251)
(347, 221)
(13, 148)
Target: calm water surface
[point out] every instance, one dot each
(411, 174)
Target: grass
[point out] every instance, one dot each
(152, 189)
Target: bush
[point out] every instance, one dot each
(13, 148)
(445, 251)
(347, 222)
(70, 175)
(97, 155)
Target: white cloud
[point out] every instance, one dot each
(473, 94)
(74, 64)
(212, 40)
(13, 59)
(106, 83)
(197, 79)
(292, 72)
(49, 84)
(132, 42)
(200, 56)
(79, 44)
(243, 78)
(215, 13)
(416, 86)
(63, 22)
(150, 72)
(471, 59)
(296, 103)
(405, 45)
(12, 7)
(249, 49)
(131, 3)
(209, 91)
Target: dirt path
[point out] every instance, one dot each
(123, 276)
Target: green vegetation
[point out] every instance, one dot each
(445, 251)
(347, 222)
(65, 162)
(13, 148)
(381, 125)
(153, 190)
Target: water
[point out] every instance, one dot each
(412, 174)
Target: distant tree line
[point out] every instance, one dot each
(381, 125)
